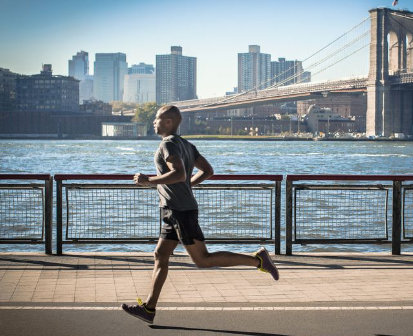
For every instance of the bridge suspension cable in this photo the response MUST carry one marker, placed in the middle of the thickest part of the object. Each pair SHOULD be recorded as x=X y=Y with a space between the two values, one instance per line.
x=338 y=50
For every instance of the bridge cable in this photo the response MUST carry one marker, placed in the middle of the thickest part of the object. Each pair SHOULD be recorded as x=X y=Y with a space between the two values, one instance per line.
x=232 y=97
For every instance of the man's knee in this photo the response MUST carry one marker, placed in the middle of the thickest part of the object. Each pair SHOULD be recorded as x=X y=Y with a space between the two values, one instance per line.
x=161 y=257
x=202 y=262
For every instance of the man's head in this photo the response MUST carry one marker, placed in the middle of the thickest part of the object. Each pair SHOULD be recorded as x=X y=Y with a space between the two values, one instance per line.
x=167 y=120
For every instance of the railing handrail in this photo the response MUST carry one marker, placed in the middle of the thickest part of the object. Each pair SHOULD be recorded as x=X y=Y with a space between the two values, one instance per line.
x=350 y=177
x=44 y=177
x=235 y=177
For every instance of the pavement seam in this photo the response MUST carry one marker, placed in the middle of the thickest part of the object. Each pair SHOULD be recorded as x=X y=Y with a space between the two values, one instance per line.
x=190 y=308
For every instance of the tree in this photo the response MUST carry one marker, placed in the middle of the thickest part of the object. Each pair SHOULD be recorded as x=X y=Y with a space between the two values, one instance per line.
x=145 y=113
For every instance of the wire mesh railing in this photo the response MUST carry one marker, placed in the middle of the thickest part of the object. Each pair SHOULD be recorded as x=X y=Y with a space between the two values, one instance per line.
x=408 y=212
x=334 y=212
x=320 y=209
x=110 y=212
x=125 y=213
x=26 y=209
x=347 y=209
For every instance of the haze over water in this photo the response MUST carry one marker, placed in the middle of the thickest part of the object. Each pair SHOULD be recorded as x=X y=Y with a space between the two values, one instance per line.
x=227 y=157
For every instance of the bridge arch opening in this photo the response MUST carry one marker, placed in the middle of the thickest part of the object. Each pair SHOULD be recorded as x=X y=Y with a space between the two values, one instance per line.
x=393 y=53
x=409 y=52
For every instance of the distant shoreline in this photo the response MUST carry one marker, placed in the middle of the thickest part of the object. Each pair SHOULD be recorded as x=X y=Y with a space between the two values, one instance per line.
x=190 y=137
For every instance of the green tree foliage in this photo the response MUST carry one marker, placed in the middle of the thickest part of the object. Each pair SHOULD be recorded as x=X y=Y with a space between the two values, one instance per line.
x=145 y=113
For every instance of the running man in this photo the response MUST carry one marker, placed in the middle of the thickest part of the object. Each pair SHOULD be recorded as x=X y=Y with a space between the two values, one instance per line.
x=175 y=160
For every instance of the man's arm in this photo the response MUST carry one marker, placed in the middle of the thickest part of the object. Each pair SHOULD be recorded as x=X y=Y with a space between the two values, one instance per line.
x=205 y=171
x=175 y=174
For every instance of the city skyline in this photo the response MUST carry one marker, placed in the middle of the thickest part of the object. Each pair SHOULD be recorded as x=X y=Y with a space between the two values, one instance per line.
x=48 y=32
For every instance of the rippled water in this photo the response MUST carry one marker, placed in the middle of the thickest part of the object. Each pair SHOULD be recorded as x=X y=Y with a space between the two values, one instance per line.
x=227 y=157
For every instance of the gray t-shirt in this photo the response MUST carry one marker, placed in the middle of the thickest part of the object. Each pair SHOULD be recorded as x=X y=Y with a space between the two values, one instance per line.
x=177 y=196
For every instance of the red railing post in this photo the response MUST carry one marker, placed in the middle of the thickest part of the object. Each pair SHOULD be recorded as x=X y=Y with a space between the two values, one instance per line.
x=48 y=215
x=277 y=215
x=289 y=217
x=59 y=219
x=397 y=218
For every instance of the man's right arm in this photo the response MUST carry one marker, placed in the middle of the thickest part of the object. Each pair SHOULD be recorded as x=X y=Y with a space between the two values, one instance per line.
x=205 y=171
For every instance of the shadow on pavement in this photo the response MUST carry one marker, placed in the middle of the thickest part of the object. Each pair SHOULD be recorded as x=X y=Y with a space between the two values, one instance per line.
x=233 y=332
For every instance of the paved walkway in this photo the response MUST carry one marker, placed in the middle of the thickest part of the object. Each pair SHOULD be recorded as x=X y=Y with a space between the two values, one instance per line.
x=318 y=280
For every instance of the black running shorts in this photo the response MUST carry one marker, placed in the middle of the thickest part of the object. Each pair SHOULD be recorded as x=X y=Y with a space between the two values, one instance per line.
x=181 y=226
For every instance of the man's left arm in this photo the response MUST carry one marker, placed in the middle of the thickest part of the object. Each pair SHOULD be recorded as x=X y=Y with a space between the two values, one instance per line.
x=205 y=171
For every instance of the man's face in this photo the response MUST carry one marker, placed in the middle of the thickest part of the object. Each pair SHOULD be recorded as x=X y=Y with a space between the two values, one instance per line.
x=161 y=125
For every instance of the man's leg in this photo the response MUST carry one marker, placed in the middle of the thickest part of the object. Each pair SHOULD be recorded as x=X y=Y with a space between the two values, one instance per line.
x=162 y=253
x=202 y=258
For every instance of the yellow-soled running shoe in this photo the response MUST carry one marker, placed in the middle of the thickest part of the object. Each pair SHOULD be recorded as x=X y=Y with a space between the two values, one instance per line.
x=140 y=311
x=266 y=264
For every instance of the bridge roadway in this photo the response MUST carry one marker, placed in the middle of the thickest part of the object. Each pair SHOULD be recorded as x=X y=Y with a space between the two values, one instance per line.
x=286 y=93
x=317 y=294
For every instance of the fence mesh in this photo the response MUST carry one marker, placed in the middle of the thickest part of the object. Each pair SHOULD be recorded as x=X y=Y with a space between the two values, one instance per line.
x=21 y=212
x=235 y=213
x=408 y=212
x=340 y=213
x=108 y=213
x=225 y=212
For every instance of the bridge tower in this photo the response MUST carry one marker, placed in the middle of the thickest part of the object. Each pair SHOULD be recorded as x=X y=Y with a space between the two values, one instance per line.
x=390 y=104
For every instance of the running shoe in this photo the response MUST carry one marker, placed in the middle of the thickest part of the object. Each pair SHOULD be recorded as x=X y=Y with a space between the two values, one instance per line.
x=140 y=311
x=266 y=264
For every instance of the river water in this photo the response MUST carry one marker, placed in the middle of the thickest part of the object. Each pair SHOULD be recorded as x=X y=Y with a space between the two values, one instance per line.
x=227 y=157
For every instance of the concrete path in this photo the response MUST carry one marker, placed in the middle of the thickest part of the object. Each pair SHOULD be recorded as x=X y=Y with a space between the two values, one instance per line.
x=365 y=290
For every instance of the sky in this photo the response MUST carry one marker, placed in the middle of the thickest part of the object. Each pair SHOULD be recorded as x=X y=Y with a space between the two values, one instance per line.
x=35 y=32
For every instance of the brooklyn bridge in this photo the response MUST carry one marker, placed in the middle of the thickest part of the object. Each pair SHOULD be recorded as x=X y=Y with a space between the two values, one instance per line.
x=388 y=86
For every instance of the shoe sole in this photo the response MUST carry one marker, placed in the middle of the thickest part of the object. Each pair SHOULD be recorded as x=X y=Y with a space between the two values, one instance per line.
x=137 y=316
x=277 y=275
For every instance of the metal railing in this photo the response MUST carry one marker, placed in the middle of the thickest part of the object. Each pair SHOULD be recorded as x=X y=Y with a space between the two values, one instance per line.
x=109 y=212
x=320 y=209
x=407 y=211
x=26 y=209
x=348 y=209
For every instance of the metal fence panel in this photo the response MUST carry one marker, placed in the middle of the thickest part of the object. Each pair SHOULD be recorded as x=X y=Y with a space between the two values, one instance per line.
x=114 y=211
x=111 y=212
x=340 y=212
x=22 y=212
x=236 y=212
x=408 y=212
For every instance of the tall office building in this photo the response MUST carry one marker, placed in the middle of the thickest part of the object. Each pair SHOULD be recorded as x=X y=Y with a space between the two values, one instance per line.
x=79 y=65
x=110 y=70
x=141 y=68
x=86 y=89
x=284 y=72
x=79 y=69
x=140 y=88
x=254 y=69
x=175 y=77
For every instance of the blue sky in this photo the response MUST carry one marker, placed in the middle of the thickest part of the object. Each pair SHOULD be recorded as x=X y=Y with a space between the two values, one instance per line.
x=33 y=32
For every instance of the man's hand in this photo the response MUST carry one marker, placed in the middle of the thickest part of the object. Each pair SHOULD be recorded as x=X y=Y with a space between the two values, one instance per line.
x=141 y=180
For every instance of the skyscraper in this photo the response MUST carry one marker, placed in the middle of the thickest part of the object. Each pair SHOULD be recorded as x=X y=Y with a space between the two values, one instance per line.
x=175 y=77
x=79 y=65
x=140 y=88
x=79 y=69
x=110 y=70
x=141 y=68
x=254 y=69
x=284 y=72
